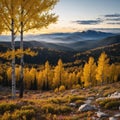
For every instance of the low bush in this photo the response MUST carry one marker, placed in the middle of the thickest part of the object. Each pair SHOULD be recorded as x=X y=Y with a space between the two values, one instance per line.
x=7 y=107
x=109 y=103
x=59 y=100
x=114 y=105
x=75 y=98
x=55 y=109
x=19 y=115
x=48 y=108
x=56 y=90
x=62 y=88
x=79 y=102
x=64 y=109
x=29 y=107
x=23 y=115
x=6 y=116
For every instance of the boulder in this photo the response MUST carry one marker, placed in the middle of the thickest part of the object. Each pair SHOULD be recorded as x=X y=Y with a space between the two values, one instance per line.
x=86 y=107
x=115 y=95
x=101 y=114
x=117 y=115
x=112 y=118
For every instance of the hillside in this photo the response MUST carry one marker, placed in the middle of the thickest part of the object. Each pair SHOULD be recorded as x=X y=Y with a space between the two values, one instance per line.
x=71 y=51
x=66 y=104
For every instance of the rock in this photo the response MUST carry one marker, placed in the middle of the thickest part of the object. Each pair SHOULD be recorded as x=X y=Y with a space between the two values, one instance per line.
x=117 y=115
x=88 y=101
x=86 y=107
x=101 y=114
x=74 y=90
x=91 y=98
x=102 y=98
x=72 y=105
x=115 y=95
x=112 y=118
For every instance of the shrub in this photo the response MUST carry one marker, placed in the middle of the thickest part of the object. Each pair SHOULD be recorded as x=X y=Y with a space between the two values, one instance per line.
x=112 y=105
x=23 y=115
x=56 y=90
x=29 y=107
x=109 y=103
x=77 y=86
x=79 y=102
x=75 y=98
x=62 y=88
x=7 y=107
x=6 y=116
x=48 y=108
x=64 y=109
x=59 y=100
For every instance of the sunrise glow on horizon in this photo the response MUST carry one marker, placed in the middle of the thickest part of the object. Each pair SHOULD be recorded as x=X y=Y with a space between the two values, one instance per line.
x=79 y=15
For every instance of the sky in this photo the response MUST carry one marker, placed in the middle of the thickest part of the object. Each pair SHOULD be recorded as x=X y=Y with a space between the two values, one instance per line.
x=80 y=15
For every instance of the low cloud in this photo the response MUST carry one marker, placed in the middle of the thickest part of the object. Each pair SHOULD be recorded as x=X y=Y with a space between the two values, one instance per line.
x=114 y=23
x=112 y=30
x=88 y=22
x=112 y=15
x=113 y=19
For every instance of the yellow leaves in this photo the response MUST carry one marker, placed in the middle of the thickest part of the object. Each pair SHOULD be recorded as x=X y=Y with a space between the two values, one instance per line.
x=30 y=52
x=102 y=69
x=10 y=54
x=89 y=69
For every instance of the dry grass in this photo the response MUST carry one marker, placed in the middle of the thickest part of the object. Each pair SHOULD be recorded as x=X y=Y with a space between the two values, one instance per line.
x=53 y=106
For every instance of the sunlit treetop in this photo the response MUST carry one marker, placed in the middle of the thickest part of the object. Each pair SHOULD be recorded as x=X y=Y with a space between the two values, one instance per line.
x=34 y=14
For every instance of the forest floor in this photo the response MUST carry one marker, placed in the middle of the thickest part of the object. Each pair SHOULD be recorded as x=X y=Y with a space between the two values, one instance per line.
x=39 y=105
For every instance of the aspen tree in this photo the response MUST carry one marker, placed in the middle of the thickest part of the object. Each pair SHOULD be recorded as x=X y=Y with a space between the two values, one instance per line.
x=33 y=14
x=9 y=20
x=102 y=68
x=89 y=73
x=58 y=74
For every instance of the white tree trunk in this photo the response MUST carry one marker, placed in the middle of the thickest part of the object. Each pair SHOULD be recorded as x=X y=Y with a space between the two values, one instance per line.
x=13 y=60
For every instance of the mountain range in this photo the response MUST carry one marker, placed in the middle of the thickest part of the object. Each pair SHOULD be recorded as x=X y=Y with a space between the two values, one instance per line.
x=68 y=46
x=77 y=41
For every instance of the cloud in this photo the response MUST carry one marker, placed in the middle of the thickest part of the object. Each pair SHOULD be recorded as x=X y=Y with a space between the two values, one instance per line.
x=113 y=19
x=88 y=22
x=114 y=23
x=112 y=30
x=112 y=15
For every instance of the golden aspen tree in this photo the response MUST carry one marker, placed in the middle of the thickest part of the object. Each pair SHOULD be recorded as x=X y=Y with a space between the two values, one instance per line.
x=79 y=74
x=47 y=76
x=58 y=74
x=34 y=14
x=66 y=81
x=40 y=79
x=27 y=78
x=9 y=20
x=17 y=73
x=89 y=73
x=114 y=73
x=102 y=68
x=21 y=16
